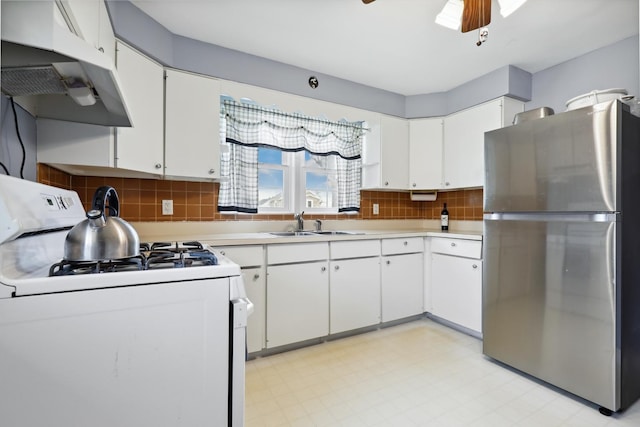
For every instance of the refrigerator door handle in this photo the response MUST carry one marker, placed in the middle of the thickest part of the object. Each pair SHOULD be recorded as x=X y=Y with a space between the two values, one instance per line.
x=610 y=252
x=560 y=217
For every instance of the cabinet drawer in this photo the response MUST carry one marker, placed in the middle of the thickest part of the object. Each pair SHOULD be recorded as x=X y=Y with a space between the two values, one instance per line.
x=457 y=247
x=299 y=252
x=355 y=249
x=244 y=256
x=402 y=245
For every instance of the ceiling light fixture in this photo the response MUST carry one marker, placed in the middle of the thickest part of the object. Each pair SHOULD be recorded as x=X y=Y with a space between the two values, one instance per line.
x=451 y=14
x=507 y=7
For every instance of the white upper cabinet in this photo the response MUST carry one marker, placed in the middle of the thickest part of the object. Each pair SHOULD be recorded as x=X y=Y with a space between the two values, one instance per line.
x=192 y=125
x=425 y=153
x=89 y=19
x=140 y=147
x=385 y=155
x=464 y=140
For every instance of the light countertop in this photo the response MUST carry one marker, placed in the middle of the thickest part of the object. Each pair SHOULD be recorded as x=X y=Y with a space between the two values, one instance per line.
x=258 y=232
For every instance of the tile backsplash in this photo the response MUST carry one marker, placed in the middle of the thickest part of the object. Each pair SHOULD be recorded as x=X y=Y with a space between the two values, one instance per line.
x=141 y=200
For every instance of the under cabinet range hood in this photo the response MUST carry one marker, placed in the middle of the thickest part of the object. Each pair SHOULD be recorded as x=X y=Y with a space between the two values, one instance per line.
x=63 y=76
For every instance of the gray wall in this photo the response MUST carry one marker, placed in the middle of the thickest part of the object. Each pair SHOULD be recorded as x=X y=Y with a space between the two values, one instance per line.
x=612 y=66
x=10 y=150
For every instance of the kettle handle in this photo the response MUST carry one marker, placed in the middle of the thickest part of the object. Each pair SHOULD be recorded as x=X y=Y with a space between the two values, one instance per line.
x=100 y=198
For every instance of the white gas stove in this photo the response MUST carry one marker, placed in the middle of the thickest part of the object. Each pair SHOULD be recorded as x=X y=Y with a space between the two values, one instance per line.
x=157 y=339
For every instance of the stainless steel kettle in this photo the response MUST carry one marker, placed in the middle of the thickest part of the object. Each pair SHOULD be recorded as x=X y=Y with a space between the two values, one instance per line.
x=101 y=237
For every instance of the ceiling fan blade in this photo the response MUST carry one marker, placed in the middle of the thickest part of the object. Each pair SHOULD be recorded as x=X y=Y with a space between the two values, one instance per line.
x=476 y=14
x=367 y=1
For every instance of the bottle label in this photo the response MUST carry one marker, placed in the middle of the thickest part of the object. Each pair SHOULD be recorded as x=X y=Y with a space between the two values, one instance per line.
x=444 y=220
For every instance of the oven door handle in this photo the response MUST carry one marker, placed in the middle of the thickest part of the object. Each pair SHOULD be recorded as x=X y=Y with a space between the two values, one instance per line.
x=242 y=309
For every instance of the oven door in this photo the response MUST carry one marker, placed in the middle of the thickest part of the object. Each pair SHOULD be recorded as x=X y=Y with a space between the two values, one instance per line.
x=151 y=355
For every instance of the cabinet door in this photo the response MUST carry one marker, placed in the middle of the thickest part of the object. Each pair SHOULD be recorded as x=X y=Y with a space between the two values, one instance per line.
x=140 y=147
x=425 y=154
x=464 y=144
x=90 y=20
x=354 y=294
x=64 y=143
x=456 y=290
x=394 y=154
x=192 y=126
x=402 y=286
x=255 y=285
x=297 y=302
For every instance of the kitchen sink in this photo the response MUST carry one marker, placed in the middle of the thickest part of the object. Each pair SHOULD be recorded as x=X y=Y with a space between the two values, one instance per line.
x=310 y=233
x=292 y=233
x=334 y=233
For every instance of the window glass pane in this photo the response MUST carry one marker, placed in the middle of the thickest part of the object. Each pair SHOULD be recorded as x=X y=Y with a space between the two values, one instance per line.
x=270 y=188
x=321 y=191
x=269 y=155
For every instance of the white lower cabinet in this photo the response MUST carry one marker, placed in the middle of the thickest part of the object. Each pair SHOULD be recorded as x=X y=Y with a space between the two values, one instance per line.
x=456 y=282
x=297 y=302
x=402 y=286
x=354 y=294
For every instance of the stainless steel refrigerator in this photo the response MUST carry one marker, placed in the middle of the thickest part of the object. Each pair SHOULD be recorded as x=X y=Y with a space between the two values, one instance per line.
x=561 y=281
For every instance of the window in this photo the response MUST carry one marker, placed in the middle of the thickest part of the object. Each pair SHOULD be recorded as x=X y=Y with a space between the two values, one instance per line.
x=275 y=162
x=294 y=182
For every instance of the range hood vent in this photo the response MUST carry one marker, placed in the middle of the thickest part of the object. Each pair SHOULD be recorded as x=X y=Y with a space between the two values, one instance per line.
x=61 y=74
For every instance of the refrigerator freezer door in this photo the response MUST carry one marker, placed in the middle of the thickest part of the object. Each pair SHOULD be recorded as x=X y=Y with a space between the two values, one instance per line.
x=561 y=163
x=549 y=303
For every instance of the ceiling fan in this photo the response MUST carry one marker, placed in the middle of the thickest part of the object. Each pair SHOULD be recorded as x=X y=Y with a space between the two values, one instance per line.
x=469 y=15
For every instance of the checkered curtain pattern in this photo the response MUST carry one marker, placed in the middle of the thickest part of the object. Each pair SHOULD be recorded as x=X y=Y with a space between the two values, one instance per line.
x=249 y=126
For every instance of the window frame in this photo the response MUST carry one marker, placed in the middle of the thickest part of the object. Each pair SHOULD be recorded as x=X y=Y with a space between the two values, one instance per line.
x=295 y=184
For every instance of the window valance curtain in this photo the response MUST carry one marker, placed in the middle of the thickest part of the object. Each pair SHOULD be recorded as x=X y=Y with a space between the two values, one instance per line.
x=249 y=126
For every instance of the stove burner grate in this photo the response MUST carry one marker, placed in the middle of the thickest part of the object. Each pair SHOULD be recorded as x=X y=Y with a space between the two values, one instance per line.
x=152 y=256
x=67 y=268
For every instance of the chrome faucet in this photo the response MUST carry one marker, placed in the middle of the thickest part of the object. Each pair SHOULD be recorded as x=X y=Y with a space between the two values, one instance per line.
x=318 y=225
x=300 y=220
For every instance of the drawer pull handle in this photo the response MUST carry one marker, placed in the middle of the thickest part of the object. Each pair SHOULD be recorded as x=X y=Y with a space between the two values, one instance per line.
x=475 y=265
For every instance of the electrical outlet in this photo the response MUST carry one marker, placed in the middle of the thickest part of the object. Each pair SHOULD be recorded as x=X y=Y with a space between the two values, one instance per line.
x=376 y=209
x=167 y=207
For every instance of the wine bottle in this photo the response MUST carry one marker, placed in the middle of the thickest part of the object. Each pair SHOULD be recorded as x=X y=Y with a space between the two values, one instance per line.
x=444 y=218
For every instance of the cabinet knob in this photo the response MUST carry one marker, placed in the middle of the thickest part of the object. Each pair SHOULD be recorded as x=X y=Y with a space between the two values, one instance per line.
x=256 y=276
x=386 y=183
x=405 y=243
x=101 y=49
x=475 y=266
x=414 y=184
x=337 y=267
x=212 y=171
x=323 y=269
x=446 y=183
x=222 y=253
x=158 y=165
x=388 y=262
x=453 y=244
